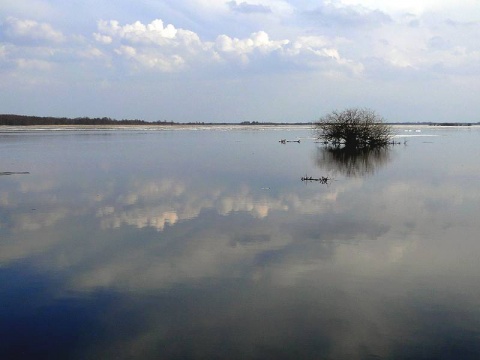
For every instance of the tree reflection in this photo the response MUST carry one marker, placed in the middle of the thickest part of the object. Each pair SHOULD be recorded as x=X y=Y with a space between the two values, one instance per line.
x=351 y=162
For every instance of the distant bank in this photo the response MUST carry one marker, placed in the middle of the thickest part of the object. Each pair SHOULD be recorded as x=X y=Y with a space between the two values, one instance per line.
x=25 y=120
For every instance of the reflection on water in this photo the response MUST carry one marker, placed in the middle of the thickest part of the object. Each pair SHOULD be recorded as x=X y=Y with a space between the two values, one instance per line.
x=351 y=162
x=207 y=245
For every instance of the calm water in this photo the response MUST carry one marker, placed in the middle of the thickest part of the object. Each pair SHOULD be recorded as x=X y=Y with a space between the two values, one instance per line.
x=207 y=245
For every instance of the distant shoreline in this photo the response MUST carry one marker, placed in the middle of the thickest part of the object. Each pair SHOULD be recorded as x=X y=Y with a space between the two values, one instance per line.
x=25 y=120
x=28 y=121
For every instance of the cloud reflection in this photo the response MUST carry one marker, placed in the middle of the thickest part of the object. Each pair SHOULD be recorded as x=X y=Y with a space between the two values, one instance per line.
x=209 y=236
x=164 y=203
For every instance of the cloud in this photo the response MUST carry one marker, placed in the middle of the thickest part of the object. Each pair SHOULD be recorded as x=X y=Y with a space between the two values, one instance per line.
x=153 y=46
x=243 y=49
x=330 y=15
x=29 y=8
x=169 y=49
x=104 y=39
x=247 y=8
x=31 y=30
x=438 y=43
x=137 y=32
x=166 y=48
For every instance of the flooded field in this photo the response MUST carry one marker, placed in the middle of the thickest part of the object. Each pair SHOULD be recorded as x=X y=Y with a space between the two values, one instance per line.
x=205 y=243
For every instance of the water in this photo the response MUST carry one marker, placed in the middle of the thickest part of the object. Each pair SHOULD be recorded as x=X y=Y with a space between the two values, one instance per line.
x=207 y=245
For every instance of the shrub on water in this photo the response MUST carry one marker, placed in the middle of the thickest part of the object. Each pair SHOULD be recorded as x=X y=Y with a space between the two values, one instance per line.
x=353 y=128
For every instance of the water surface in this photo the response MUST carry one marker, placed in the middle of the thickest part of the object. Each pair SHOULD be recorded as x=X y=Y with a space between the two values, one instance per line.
x=207 y=245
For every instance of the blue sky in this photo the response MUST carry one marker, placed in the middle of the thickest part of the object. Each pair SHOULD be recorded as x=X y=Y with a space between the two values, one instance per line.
x=235 y=60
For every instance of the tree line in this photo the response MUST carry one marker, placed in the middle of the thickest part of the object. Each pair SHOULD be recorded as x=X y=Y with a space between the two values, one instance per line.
x=24 y=120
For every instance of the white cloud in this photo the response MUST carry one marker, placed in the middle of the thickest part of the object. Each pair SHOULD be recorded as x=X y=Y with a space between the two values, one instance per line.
x=127 y=51
x=153 y=46
x=33 y=30
x=154 y=33
x=259 y=40
x=242 y=48
x=104 y=39
x=167 y=48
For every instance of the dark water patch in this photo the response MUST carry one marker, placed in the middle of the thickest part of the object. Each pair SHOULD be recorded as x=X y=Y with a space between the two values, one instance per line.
x=37 y=323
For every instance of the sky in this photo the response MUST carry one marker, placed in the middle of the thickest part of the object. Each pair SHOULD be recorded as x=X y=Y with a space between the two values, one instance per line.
x=236 y=60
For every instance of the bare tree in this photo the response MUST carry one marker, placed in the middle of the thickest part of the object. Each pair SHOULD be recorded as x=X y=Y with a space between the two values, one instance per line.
x=354 y=129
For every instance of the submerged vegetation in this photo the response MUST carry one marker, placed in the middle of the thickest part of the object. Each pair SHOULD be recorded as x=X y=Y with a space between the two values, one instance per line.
x=356 y=141
x=352 y=163
x=353 y=129
x=321 y=179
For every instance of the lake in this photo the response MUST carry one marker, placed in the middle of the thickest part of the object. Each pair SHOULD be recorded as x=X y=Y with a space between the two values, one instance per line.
x=205 y=243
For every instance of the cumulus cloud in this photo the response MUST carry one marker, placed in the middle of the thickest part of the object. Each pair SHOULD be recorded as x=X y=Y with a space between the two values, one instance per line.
x=167 y=48
x=241 y=49
x=315 y=52
x=154 y=32
x=154 y=46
